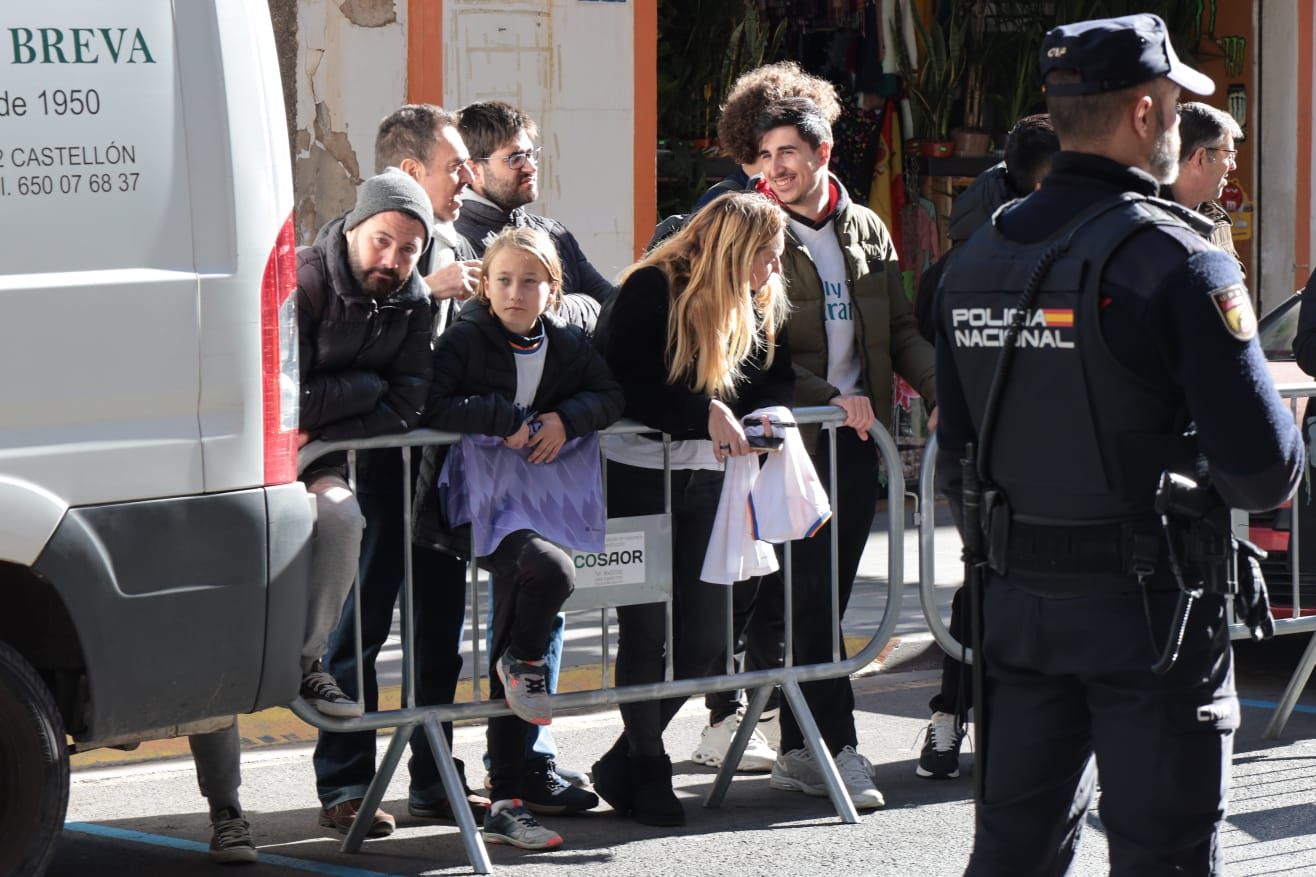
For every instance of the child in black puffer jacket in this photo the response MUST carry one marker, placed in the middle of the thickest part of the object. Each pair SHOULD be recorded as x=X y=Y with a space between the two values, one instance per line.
x=509 y=369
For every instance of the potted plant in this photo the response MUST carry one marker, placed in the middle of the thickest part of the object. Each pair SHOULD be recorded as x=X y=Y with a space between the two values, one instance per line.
x=932 y=83
x=973 y=139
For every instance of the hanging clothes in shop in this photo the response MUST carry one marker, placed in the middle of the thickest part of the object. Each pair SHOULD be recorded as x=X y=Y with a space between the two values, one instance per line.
x=857 y=137
x=887 y=189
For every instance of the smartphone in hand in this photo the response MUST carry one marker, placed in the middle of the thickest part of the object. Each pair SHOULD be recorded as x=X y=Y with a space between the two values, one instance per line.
x=769 y=443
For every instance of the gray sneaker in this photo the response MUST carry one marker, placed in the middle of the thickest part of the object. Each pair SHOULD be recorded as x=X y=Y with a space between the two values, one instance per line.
x=510 y=823
x=525 y=688
x=230 y=838
x=857 y=775
x=796 y=771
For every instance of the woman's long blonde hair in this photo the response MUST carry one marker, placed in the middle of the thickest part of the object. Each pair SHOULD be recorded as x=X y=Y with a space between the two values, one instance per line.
x=717 y=322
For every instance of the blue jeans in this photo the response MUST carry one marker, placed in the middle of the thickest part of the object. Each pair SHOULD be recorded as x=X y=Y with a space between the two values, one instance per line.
x=345 y=763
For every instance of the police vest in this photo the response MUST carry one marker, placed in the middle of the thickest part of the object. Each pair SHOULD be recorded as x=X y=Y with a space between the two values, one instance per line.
x=1078 y=438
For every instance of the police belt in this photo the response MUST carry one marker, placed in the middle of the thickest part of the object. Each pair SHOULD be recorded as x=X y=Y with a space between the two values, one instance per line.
x=1120 y=548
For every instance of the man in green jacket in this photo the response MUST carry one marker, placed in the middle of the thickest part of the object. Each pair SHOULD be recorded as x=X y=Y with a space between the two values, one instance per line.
x=850 y=328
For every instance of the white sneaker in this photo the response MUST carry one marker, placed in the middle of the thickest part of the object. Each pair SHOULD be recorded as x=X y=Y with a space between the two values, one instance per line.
x=796 y=771
x=857 y=774
x=758 y=756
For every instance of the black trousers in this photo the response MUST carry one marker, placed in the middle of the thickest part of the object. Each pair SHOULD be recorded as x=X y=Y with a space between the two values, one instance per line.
x=956 y=687
x=1070 y=679
x=699 y=609
x=531 y=578
x=758 y=619
x=831 y=700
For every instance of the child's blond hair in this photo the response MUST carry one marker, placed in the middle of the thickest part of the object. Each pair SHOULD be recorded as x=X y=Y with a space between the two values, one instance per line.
x=527 y=240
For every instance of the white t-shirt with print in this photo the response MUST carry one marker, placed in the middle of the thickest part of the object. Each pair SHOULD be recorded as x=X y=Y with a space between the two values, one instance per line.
x=843 y=366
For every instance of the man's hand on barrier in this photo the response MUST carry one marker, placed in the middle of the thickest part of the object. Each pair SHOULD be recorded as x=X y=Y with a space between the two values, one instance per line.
x=455 y=280
x=303 y=438
x=858 y=412
x=726 y=432
x=517 y=440
x=932 y=420
x=548 y=440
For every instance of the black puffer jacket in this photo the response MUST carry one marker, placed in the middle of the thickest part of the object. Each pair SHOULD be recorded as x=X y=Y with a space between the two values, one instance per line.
x=365 y=363
x=474 y=389
x=479 y=222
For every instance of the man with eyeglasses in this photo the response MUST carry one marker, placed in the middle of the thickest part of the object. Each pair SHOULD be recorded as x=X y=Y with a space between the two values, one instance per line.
x=423 y=142
x=1207 y=155
x=504 y=179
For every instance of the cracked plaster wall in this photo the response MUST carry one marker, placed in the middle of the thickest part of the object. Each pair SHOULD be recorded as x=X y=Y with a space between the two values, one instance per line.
x=351 y=72
x=570 y=65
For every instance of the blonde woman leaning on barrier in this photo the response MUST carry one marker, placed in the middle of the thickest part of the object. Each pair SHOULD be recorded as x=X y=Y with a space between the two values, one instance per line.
x=695 y=338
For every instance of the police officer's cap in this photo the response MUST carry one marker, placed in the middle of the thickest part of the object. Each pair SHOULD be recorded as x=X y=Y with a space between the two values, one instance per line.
x=1114 y=53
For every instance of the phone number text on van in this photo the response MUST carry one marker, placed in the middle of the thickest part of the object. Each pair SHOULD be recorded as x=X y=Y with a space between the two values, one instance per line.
x=69 y=184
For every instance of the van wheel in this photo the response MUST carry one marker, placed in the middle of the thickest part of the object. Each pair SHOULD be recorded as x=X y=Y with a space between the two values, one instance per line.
x=34 y=768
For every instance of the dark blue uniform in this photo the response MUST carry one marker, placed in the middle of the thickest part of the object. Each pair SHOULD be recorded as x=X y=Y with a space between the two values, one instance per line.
x=1126 y=348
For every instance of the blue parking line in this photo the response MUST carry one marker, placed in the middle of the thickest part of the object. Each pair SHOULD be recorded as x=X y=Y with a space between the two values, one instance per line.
x=193 y=846
x=1270 y=705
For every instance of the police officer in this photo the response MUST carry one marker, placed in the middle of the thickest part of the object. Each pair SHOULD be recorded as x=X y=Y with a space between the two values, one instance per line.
x=1131 y=328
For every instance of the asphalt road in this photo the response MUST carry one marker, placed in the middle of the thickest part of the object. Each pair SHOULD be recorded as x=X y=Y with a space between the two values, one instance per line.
x=147 y=820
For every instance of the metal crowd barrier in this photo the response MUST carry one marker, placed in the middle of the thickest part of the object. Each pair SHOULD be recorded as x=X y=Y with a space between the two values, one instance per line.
x=1288 y=620
x=760 y=682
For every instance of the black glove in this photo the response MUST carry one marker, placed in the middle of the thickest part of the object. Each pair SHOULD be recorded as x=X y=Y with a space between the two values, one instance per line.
x=1252 y=603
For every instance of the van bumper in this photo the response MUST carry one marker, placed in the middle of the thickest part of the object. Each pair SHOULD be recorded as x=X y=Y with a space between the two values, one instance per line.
x=186 y=608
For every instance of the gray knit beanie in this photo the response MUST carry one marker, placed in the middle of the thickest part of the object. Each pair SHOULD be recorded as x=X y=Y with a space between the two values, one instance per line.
x=394 y=189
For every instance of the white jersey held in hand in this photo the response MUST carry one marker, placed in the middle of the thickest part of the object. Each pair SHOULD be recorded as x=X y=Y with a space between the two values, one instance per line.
x=779 y=502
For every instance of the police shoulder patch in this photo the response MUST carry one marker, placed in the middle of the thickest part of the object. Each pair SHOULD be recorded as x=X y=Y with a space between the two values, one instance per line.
x=1235 y=310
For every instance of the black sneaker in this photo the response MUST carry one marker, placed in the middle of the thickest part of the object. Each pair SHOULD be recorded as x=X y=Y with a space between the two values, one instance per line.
x=940 y=758
x=230 y=838
x=321 y=691
x=543 y=791
x=577 y=778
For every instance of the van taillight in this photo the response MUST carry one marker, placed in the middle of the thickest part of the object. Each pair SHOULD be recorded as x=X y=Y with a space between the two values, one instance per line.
x=278 y=358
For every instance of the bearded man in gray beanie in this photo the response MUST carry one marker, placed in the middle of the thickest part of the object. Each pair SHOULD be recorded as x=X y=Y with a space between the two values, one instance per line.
x=363 y=321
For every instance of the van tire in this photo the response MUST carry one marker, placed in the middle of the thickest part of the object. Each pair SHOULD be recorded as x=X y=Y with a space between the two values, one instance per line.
x=34 y=768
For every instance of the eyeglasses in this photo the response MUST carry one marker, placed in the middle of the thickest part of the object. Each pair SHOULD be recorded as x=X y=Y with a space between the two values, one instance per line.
x=456 y=166
x=1231 y=154
x=516 y=160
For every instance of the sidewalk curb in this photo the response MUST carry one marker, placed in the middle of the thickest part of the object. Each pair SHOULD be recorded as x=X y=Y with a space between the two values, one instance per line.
x=279 y=727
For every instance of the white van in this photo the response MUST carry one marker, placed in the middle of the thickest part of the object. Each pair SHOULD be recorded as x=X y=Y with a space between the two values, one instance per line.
x=153 y=537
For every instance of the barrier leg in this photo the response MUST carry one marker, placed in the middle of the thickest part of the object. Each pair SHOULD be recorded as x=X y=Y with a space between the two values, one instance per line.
x=738 y=743
x=826 y=764
x=452 y=785
x=375 y=794
x=1289 y=699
